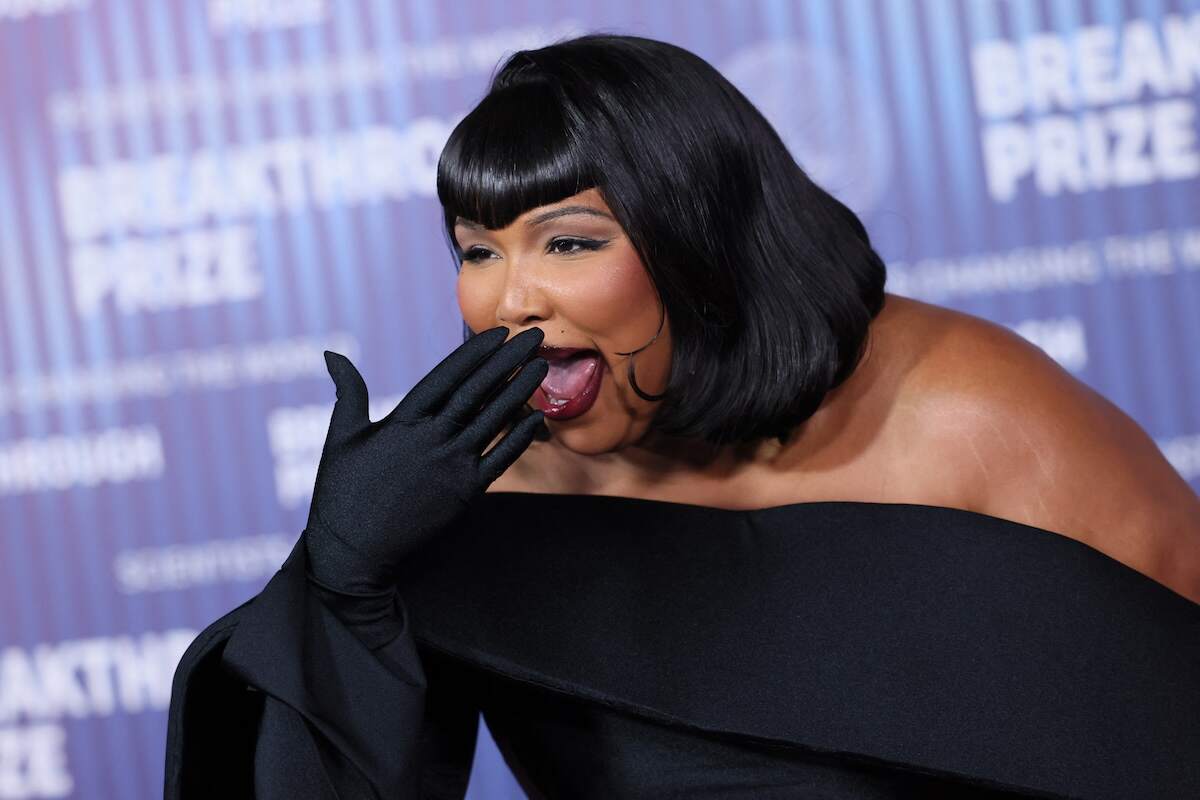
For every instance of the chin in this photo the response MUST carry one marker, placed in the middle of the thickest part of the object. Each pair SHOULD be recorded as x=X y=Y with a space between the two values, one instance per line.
x=578 y=439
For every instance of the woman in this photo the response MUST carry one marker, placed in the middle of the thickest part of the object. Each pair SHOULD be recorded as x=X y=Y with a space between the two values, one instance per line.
x=779 y=535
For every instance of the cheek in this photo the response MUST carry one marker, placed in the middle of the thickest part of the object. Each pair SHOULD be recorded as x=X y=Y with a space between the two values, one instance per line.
x=616 y=302
x=476 y=303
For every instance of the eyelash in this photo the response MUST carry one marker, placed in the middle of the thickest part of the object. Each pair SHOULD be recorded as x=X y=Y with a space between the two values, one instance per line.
x=473 y=254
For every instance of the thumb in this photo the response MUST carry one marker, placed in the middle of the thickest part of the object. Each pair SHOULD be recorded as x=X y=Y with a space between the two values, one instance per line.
x=350 y=408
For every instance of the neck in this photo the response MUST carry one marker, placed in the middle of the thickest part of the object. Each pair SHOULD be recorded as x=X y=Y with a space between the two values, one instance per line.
x=655 y=460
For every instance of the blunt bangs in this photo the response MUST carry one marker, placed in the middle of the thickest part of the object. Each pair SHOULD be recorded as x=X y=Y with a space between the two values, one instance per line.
x=493 y=168
x=768 y=281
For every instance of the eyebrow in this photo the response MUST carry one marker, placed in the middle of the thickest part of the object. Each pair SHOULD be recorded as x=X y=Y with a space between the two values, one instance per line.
x=545 y=217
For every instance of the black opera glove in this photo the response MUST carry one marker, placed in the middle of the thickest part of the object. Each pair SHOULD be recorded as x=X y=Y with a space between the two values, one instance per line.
x=385 y=488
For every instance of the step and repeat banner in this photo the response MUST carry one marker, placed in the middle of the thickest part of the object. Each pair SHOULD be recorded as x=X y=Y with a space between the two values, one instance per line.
x=198 y=197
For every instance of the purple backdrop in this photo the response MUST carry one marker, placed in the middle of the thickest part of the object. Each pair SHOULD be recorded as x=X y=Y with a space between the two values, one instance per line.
x=197 y=198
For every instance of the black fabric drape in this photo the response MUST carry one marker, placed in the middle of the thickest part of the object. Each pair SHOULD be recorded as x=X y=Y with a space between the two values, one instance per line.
x=922 y=639
x=280 y=699
x=929 y=639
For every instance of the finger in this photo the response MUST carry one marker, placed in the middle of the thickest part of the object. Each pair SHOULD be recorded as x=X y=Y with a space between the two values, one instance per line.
x=350 y=408
x=490 y=421
x=464 y=403
x=433 y=391
x=501 y=457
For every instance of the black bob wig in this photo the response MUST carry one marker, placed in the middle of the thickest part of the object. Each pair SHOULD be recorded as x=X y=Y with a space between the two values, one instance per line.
x=769 y=282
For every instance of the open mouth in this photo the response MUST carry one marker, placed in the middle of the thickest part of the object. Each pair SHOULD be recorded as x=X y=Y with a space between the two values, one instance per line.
x=571 y=384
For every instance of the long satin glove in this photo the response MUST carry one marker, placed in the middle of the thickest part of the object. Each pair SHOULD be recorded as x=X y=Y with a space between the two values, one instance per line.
x=385 y=488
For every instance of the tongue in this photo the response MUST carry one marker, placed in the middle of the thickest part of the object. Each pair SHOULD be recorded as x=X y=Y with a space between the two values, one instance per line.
x=567 y=378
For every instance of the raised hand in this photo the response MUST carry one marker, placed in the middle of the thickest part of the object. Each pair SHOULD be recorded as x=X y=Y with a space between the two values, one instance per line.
x=384 y=488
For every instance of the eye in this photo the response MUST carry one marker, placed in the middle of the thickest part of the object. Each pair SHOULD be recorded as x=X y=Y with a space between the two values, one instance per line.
x=571 y=242
x=472 y=254
x=563 y=245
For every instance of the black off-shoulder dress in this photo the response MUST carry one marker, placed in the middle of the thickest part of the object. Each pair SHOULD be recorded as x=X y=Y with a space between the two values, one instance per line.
x=629 y=648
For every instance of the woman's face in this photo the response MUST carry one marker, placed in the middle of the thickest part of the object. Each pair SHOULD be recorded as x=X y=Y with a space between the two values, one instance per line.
x=569 y=269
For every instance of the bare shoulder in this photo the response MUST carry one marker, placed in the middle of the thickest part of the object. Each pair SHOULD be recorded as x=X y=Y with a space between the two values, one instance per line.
x=1028 y=442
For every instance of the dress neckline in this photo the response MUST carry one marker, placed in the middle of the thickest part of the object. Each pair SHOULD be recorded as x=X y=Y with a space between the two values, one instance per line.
x=919 y=511
x=780 y=508
x=839 y=626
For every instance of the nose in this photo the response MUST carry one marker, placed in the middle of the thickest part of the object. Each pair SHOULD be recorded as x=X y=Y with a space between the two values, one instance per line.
x=523 y=302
